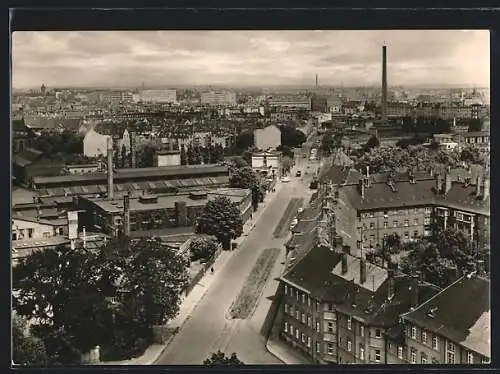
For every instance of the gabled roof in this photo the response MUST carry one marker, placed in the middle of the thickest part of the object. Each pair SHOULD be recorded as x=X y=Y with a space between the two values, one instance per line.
x=460 y=313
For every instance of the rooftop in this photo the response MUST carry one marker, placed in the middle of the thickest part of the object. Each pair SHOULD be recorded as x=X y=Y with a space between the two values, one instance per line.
x=460 y=313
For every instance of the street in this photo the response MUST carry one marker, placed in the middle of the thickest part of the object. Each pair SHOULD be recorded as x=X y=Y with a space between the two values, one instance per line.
x=209 y=327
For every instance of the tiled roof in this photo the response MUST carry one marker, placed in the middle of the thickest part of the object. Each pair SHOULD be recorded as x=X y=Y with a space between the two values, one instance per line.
x=461 y=313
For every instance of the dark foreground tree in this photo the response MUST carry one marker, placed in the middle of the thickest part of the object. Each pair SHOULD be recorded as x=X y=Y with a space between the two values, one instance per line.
x=202 y=248
x=245 y=177
x=220 y=359
x=27 y=350
x=221 y=218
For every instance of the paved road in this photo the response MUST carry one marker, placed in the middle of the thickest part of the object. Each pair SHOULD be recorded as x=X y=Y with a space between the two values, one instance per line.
x=209 y=327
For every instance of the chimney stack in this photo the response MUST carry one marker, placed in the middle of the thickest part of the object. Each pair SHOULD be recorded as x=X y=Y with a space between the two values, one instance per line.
x=132 y=149
x=362 y=271
x=447 y=183
x=362 y=188
x=478 y=186
x=353 y=293
x=316 y=81
x=110 y=168
x=126 y=215
x=391 y=287
x=414 y=291
x=439 y=183
x=344 y=263
x=486 y=188
x=384 y=83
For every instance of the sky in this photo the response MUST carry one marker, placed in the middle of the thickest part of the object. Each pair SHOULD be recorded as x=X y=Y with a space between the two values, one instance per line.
x=249 y=58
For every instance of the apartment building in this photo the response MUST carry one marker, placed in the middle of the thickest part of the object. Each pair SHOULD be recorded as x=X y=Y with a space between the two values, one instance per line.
x=218 y=98
x=453 y=327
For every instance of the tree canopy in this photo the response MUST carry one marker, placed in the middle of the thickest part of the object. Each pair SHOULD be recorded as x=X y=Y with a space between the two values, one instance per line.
x=110 y=297
x=221 y=218
x=202 y=248
x=330 y=141
x=27 y=350
x=220 y=359
x=245 y=177
x=291 y=137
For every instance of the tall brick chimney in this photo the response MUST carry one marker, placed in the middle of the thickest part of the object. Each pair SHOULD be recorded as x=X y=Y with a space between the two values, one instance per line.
x=384 y=83
x=110 y=168
x=126 y=215
x=344 y=263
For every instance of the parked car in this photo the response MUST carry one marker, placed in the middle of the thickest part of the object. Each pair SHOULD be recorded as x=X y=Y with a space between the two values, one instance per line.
x=285 y=179
x=298 y=173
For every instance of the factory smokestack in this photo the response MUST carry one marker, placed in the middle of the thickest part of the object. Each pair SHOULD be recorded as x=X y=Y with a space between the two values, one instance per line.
x=110 y=168
x=316 y=80
x=384 y=83
x=126 y=215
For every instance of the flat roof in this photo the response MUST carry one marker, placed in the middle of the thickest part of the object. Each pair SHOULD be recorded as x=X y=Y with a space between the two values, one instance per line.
x=137 y=173
x=163 y=202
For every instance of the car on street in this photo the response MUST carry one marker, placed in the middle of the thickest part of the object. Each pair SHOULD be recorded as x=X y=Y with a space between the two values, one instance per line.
x=285 y=179
x=298 y=173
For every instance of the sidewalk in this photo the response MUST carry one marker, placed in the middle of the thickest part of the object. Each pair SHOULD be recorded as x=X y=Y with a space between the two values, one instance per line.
x=189 y=302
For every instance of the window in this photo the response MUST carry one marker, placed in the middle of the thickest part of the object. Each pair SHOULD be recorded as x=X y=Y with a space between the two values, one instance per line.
x=470 y=358
x=372 y=225
x=330 y=348
x=286 y=289
x=30 y=232
x=413 y=332
x=309 y=320
x=303 y=337
x=318 y=347
x=297 y=314
x=308 y=301
x=291 y=291
x=317 y=326
x=361 y=353
x=435 y=343
x=291 y=310
x=450 y=353
x=423 y=359
x=485 y=360
x=415 y=221
x=286 y=327
x=413 y=356
x=297 y=334
x=385 y=224
x=407 y=223
x=424 y=337
x=303 y=298
x=362 y=330
x=330 y=308
x=416 y=210
x=330 y=327
x=349 y=345
x=286 y=308
x=400 y=352
x=394 y=223
x=46 y=235
x=407 y=235
x=371 y=214
x=349 y=323
x=61 y=231
x=291 y=330
x=297 y=294
x=309 y=341
x=303 y=318
x=377 y=355
x=427 y=210
x=415 y=233
x=377 y=333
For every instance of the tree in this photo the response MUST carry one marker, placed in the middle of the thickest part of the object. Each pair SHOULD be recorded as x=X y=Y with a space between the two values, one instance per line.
x=287 y=151
x=291 y=137
x=329 y=142
x=27 y=350
x=202 y=248
x=124 y=156
x=393 y=243
x=59 y=286
x=221 y=218
x=220 y=359
x=287 y=164
x=183 y=155
x=239 y=162
x=205 y=154
x=245 y=177
x=146 y=157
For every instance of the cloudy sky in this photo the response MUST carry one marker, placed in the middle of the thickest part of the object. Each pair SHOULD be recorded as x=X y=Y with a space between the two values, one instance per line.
x=251 y=58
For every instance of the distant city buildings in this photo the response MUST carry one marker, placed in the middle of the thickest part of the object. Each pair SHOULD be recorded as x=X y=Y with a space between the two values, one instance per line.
x=218 y=98
x=158 y=96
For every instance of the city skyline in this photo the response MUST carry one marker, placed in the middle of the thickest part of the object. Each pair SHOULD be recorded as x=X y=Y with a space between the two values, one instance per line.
x=249 y=58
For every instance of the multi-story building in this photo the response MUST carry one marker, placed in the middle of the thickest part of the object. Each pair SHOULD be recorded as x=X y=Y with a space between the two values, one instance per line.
x=399 y=109
x=405 y=203
x=218 y=98
x=453 y=327
x=95 y=144
x=267 y=138
x=290 y=103
x=158 y=96
x=267 y=163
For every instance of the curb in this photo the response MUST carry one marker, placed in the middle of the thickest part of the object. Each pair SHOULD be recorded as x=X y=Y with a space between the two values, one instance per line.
x=271 y=351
